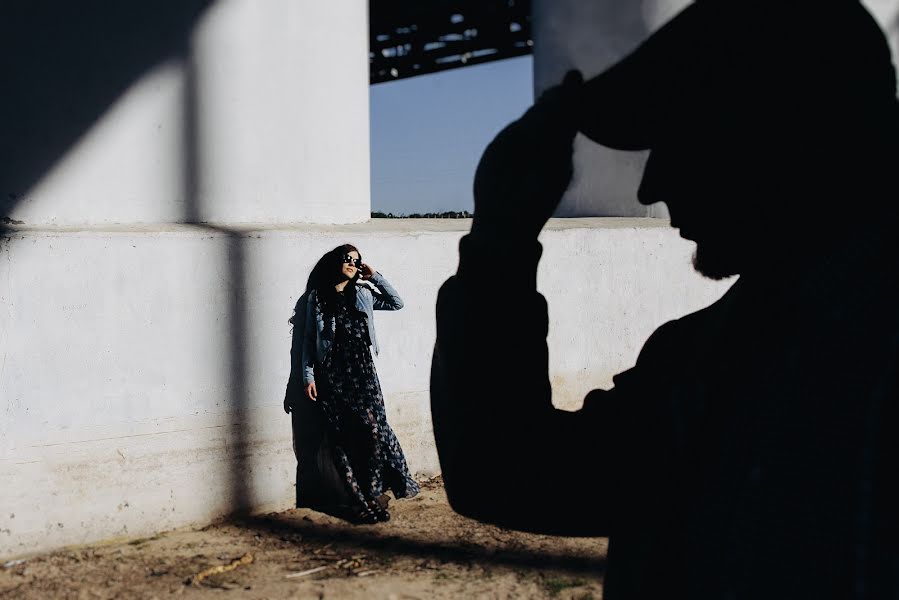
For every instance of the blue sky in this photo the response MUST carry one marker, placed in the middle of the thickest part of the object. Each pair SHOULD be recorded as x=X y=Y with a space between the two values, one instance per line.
x=428 y=132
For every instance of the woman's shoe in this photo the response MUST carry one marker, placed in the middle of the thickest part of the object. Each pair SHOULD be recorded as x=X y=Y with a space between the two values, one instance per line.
x=379 y=510
x=364 y=515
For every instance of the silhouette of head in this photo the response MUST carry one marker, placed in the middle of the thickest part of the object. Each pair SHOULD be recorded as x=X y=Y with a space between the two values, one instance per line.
x=762 y=119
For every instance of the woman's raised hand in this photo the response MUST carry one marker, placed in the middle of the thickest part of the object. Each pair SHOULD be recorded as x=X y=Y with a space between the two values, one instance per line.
x=367 y=271
x=310 y=391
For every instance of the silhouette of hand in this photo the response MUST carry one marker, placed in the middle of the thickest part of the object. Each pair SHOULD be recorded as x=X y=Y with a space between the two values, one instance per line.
x=526 y=169
x=287 y=405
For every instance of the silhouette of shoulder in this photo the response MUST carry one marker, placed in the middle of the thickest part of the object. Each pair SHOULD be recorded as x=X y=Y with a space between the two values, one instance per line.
x=679 y=344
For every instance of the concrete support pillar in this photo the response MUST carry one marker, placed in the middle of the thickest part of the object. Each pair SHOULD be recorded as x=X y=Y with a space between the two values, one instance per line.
x=281 y=111
x=887 y=14
x=261 y=117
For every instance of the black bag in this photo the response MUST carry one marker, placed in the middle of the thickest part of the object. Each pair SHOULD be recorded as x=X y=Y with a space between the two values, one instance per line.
x=319 y=481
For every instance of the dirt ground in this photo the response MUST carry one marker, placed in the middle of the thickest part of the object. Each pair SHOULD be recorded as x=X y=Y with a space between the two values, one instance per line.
x=424 y=551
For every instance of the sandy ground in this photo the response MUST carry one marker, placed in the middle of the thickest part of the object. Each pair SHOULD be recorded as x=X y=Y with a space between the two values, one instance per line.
x=424 y=551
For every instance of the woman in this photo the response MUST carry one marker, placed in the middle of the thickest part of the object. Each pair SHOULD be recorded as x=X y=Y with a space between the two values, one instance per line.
x=338 y=374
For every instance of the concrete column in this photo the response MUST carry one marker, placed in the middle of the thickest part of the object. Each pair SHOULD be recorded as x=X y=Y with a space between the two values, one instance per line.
x=887 y=14
x=281 y=112
x=261 y=116
x=591 y=36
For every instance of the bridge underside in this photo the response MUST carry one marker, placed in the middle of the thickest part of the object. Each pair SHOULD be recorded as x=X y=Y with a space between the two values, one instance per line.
x=417 y=37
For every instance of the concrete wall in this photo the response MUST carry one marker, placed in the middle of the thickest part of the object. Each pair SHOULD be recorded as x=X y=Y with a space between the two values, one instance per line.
x=591 y=36
x=156 y=180
x=143 y=368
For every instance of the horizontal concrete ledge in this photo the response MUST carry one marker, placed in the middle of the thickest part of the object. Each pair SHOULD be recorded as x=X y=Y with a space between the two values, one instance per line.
x=373 y=226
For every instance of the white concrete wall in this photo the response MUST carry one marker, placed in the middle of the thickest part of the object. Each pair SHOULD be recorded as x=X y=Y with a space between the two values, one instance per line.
x=143 y=369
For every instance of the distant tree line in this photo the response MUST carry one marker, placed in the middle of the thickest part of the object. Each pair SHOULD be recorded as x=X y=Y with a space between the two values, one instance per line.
x=449 y=214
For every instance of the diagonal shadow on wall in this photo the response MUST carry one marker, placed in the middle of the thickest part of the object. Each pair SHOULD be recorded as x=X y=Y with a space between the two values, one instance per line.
x=63 y=66
x=240 y=471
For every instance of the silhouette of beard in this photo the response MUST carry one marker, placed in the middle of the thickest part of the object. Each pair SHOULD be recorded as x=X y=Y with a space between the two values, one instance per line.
x=711 y=264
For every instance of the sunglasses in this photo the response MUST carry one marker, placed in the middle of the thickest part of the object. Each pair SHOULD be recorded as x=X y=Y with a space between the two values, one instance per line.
x=357 y=262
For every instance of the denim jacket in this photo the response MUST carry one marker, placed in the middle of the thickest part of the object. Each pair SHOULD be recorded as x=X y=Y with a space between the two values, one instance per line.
x=318 y=335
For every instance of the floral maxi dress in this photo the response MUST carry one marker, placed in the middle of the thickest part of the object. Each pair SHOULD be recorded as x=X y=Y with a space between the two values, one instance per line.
x=365 y=448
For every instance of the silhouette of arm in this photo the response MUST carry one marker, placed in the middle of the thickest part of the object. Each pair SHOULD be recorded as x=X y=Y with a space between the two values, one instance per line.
x=507 y=456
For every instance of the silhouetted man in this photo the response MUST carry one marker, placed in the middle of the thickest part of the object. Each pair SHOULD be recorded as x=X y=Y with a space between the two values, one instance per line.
x=752 y=451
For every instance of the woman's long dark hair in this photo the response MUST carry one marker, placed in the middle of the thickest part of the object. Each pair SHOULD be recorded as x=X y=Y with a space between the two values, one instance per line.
x=331 y=275
x=327 y=273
